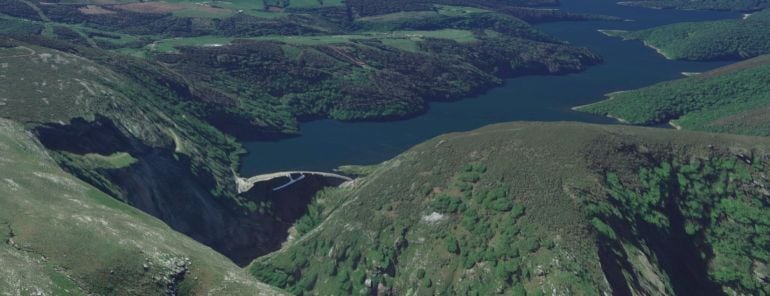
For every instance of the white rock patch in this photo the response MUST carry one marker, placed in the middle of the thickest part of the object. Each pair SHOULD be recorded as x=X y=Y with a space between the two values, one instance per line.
x=12 y=185
x=432 y=218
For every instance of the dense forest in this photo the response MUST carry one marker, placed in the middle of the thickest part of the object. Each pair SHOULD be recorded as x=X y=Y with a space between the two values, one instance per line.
x=714 y=40
x=731 y=99
x=337 y=79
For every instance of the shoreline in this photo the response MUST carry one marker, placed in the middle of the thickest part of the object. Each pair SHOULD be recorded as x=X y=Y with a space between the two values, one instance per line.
x=619 y=119
x=660 y=51
x=619 y=34
x=436 y=119
x=608 y=97
x=612 y=33
x=674 y=125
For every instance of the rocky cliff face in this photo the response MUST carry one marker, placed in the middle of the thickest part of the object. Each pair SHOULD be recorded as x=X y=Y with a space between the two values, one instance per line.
x=161 y=183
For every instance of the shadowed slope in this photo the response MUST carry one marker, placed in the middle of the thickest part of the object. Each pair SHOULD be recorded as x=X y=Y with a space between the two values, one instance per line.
x=64 y=237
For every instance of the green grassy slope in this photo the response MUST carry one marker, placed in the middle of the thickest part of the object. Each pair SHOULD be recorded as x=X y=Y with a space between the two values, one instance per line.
x=528 y=208
x=61 y=236
x=713 y=40
x=733 y=99
x=53 y=85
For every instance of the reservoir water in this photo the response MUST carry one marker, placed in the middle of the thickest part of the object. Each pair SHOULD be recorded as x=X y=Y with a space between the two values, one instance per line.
x=327 y=144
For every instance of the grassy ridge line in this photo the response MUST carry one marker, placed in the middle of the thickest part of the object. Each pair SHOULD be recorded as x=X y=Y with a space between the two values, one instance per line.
x=728 y=99
x=63 y=237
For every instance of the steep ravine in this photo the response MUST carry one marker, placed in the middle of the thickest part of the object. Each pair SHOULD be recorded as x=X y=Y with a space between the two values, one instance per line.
x=672 y=253
x=160 y=182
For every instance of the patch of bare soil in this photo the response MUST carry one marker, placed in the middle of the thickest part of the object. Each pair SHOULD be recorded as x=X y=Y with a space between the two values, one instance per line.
x=95 y=9
x=151 y=7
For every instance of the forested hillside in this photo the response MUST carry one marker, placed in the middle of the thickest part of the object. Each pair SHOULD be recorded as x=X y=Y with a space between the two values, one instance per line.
x=535 y=209
x=732 y=99
x=714 y=40
x=267 y=65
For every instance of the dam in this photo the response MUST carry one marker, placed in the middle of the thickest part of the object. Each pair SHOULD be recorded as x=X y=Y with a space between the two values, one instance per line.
x=290 y=177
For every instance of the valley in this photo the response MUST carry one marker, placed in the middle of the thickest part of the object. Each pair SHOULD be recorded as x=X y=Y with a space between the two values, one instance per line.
x=317 y=147
x=626 y=65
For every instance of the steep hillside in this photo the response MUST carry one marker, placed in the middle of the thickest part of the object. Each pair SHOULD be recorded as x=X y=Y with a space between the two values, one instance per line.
x=61 y=236
x=712 y=40
x=733 y=99
x=139 y=133
x=144 y=100
x=536 y=208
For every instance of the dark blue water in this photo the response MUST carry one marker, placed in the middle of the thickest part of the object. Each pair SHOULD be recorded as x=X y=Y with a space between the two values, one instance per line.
x=326 y=144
